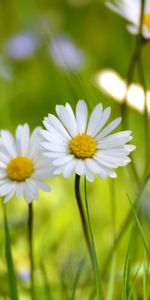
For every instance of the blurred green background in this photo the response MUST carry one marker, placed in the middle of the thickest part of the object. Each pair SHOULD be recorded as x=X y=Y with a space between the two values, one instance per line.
x=35 y=75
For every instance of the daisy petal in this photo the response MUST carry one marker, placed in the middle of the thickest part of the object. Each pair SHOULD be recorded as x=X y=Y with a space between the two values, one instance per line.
x=8 y=142
x=93 y=125
x=69 y=168
x=109 y=128
x=81 y=116
x=69 y=122
x=80 y=167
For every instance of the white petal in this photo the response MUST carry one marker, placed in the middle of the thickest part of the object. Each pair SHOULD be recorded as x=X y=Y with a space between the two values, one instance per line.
x=105 y=116
x=22 y=139
x=81 y=116
x=53 y=138
x=104 y=162
x=42 y=174
x=51 y=130
x=2 y=165
x=114 y=140
x=3 y=173
x=19 y=190
x=111 y=174
x=63 y=160
x=130 y=148
x=80 y=167
x=59 y=170
x=32 y=187
x=111 y=161
x=4 y=157
x=133 y=29
x=109 y=128
x=43 y=186
x=7 y=188
x=67 y=120
x=28 y=196
x=53 y=154
x=9 y=195
x=8 y=142
x=93 y=125
x=89 y=175
x=72 y=116
x=57 y=125
x=69 y=168
x=54 y=147
x=4 y=181
x=95 y=168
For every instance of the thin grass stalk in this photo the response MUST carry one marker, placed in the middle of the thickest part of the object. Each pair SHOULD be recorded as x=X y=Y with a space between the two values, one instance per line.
x=46 y=281
x=30 y=237
x=124 y=227
x=111 y=285
x=139 y=226
x=127 y=267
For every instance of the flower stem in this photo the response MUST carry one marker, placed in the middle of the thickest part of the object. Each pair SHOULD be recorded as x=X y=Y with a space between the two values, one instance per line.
x=146 y=114
x=30 y=236
x=88 y=233
x=82 y=216
x=96 y=269
x=136 y=60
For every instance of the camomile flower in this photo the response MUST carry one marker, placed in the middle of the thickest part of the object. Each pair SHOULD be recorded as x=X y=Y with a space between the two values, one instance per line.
x=131 y=11
x=85 y=147
x=22 y=166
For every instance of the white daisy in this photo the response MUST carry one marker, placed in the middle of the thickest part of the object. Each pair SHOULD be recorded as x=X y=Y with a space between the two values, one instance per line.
x=75 y=144
x=131 y=10
x=22 y=166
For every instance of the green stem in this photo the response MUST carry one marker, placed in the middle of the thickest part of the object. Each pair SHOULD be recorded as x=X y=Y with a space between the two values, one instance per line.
x=83 y=219
x=134 y=60
x=146 y=115
x=30 y=236
x=96 y=269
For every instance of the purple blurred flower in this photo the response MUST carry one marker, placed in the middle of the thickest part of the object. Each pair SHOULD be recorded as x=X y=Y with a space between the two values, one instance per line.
x=24 y=275
x=66 y=54
x=22 y=45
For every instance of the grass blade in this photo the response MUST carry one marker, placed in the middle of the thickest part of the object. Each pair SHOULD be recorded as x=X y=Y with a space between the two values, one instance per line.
x=145 y=281
x=127 y=267
x=75 y=283
x=111 y=285
x=140 y=229
x=10 y=267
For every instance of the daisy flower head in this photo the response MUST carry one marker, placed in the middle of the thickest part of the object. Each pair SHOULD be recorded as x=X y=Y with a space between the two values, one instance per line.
x=22 y=165
x=85 y=147
x=131 y=11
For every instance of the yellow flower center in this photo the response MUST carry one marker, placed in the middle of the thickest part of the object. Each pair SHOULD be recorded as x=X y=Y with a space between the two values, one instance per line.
x=83 y=146
x=20 y=168
x=146 y=20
